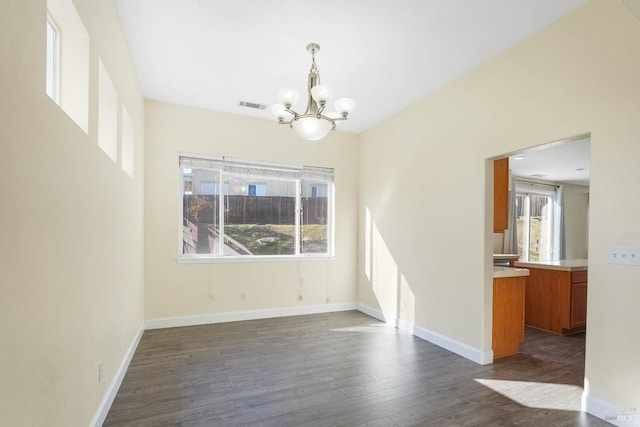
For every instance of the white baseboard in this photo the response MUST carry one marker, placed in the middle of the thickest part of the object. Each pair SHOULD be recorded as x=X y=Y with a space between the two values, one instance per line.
x=376 y=314
x=204 y=319
x=462 y=349
x=112 y=390
x=609 y=412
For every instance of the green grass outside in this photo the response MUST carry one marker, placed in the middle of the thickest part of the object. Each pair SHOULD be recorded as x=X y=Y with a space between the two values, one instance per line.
x=278 y=239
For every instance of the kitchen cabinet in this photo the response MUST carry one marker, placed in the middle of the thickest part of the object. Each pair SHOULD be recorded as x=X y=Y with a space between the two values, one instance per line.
x=500 y=195
x=578 y=299
x=556 y=296
x=508 y=310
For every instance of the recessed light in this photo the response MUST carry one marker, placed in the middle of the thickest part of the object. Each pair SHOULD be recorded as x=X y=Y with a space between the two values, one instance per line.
x=519 y=158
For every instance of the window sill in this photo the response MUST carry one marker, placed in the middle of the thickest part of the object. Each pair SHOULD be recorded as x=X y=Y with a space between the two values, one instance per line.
x=240 y=259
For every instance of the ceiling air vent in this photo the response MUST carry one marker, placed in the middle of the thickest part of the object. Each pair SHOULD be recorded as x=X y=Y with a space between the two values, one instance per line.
x=253 y=105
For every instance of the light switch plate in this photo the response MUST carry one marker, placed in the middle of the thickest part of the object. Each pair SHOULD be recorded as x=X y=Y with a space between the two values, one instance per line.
x=628 y=256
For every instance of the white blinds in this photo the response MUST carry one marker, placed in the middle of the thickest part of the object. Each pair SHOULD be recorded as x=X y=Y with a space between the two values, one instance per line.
x=200 y=163
x=534 y=187
x=254 y=168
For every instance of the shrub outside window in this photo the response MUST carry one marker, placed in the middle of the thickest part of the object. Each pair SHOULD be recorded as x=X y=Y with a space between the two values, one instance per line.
x=235 y=208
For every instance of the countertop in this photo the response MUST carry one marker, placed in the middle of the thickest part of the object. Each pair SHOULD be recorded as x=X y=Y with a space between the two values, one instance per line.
x=499 y=272
x=562 y=265
x=506 y=256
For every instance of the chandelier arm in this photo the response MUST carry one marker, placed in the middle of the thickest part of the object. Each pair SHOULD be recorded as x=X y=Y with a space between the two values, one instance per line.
x=329 y=119
x=315 y=116
x=290 y=111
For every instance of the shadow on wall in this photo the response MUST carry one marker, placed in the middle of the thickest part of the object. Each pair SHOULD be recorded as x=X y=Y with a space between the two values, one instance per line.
x=389 y=285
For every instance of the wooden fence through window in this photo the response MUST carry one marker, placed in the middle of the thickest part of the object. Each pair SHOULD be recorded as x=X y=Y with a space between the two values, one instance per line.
x=203 y=209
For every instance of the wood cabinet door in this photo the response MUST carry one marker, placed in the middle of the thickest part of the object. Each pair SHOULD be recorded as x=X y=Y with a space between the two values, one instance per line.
x=508 y=315
x=548 y=300
x=500 y=195
x=578 y=305
x=560 y=299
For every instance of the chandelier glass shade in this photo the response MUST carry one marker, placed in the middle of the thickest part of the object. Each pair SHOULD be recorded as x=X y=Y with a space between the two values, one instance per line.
x=315 y=123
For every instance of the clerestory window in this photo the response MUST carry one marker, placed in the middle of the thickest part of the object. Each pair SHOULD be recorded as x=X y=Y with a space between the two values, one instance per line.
x=53 y=59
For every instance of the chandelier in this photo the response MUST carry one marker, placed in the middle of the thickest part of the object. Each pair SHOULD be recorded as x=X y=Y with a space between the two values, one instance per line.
x=314 y=124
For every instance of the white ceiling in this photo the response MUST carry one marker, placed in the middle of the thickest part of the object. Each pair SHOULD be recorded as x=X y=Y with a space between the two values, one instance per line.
x=565 y=161
x=384 y=54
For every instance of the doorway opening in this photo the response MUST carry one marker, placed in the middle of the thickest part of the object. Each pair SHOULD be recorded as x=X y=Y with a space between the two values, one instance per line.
x=548 y=218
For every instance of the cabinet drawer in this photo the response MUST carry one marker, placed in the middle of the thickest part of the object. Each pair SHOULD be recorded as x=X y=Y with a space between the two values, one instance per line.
x=579 y=277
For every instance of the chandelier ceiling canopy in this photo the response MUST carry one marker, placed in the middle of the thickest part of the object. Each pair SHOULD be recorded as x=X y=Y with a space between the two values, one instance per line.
x=315 y=123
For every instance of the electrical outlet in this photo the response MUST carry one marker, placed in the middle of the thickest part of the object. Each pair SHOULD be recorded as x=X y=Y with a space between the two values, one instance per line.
x=243 y=296
x=100 y=371
x=628 y=256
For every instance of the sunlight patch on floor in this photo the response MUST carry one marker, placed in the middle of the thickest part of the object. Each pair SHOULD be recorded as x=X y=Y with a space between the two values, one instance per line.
x=538 y=395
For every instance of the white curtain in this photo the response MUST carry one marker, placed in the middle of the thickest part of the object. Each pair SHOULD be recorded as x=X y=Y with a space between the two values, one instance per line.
x=559 y=243
x=510 y=244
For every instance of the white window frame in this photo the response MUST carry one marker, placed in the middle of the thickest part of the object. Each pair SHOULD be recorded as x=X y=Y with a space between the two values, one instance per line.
x=53 y=61
x=222 y=192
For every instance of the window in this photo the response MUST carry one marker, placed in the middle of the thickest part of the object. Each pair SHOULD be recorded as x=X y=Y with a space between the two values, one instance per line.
x=67 y=61
x=241 y=209
x=208 y=188
x=257 y=190
x=535 y=225
x=107 y=113
x=188 y=186
x=53 y=60
x=318 y=191
x=315 y=217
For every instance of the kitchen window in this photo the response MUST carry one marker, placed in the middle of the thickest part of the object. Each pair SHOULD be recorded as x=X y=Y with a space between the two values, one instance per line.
x=535 y=223
x=235 y=209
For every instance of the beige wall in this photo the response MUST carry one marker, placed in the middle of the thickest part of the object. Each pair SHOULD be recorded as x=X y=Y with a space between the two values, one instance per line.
x=71 y=257
x=174 y=289
x=426 y=181
x=576 y=217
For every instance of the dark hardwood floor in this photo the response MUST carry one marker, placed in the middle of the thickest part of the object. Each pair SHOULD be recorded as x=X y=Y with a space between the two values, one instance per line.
x=343 y=369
